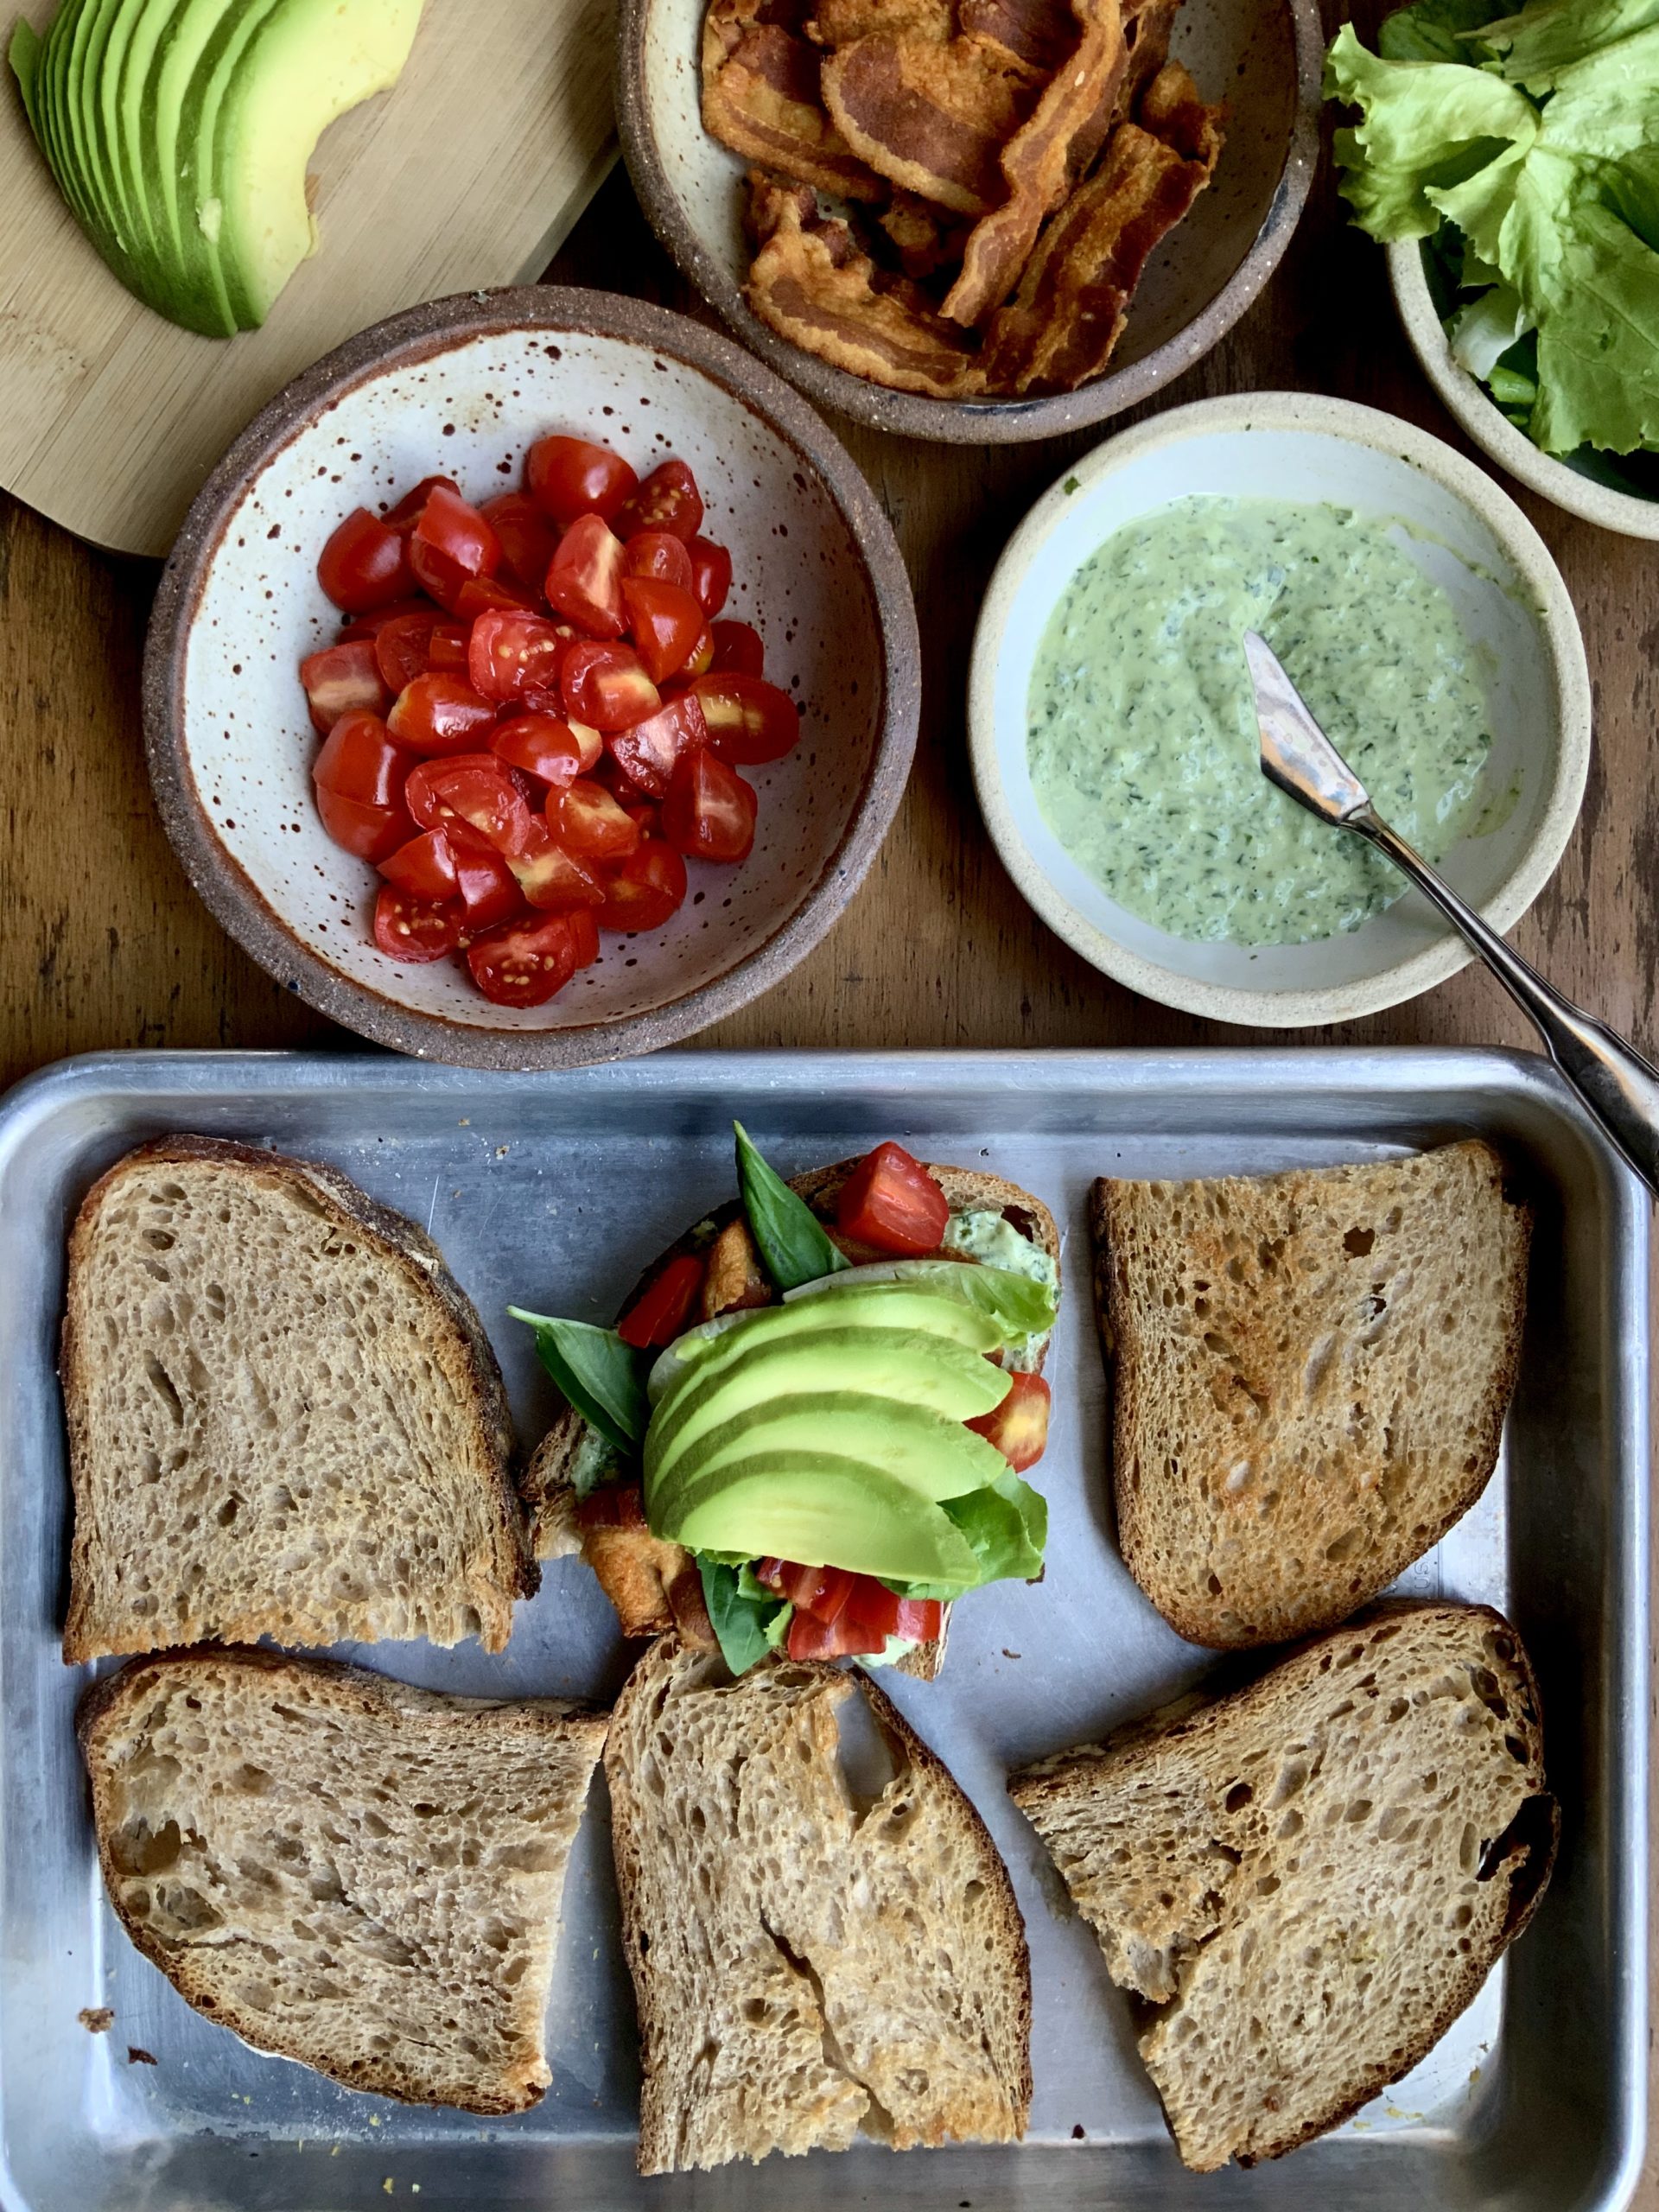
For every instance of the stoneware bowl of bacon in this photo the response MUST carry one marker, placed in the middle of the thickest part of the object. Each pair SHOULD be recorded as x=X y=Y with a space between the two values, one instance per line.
x=973 y=220
x=533 y=682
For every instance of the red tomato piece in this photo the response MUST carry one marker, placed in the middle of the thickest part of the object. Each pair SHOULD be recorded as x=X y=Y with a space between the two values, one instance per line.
x=613 y=1505
x=512 y=654
x=645 y=890
x=542 y=746
x=527 y=540
x=371 y=832
x=489 y=890
x=700 y=658
x=341 y=677
x=403 y=649
x=668 y=499
x=711 y=569
x=892 y=1202
x=370 y=624
x=648 y=752
x=550 y=878
x=449 y=544
x=479 y=594
x=920 y=1620
x=1018 y=1427
x=448 y=646
x=471 y=793
x=409 y=509
x=871 y=1604
x=738 y=648
x=413 y=929
x=588 y=822
x=662 y=556
x=584 y=935
x=440 y=713
x=524 y=962
x=591 y=743
x=665 y=1306
x=359 y=760
x=812 y=1639
x=708 y=814
x=606 y=686
x=364 y=565
x=750 y=721
x=425 y=866
x=569 y=477
x=664 y=623
x=584 y=578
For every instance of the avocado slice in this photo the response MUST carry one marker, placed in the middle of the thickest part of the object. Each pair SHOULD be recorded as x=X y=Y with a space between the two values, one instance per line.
x=135 y=186
x=99 y=19
x=807 y=1506
x=904 y=1364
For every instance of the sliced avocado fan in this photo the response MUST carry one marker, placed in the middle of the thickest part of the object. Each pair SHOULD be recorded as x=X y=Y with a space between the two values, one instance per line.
x=815 y=1507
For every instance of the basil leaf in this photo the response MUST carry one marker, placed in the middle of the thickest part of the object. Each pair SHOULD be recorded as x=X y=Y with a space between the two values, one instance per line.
x=792 y=1239
x=746 y=1626
x=1007 y=1526
x=603 y=1378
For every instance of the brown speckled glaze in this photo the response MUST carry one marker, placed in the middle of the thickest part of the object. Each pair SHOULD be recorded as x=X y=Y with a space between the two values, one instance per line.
x=1262 y=57
x=465 y=385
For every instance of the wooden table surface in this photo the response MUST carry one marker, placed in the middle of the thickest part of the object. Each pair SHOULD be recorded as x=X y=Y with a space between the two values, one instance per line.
x=105 y=944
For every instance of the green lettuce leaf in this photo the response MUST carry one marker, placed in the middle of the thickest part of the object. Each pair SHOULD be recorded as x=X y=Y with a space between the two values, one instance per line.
x=1434 y=30
x=1007 y=1528
x=603 y=1378
x=747 y=1626
x=1532 y=49
x=793 y=1244
x=1483 y=330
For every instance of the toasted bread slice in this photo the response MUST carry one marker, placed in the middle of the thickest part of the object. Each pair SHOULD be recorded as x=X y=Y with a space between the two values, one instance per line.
x=1312 y=1876
x=285 y=1416
x=654 y=1585
x=1309 y=1375
x=806 y=1965
x=344 y=1871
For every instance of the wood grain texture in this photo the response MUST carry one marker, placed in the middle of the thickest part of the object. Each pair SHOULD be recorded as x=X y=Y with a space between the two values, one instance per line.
x=468 y=172
x=106 y=945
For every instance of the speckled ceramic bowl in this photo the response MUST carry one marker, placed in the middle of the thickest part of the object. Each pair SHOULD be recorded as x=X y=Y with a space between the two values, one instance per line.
x=1464 y=533
x=1262 y=57
x=465 y=385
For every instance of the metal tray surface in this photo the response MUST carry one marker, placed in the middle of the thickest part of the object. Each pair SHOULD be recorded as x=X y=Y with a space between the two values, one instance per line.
x=555 y=1191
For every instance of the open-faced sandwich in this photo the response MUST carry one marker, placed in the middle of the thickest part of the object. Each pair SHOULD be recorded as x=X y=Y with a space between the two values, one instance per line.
x=807 y=1430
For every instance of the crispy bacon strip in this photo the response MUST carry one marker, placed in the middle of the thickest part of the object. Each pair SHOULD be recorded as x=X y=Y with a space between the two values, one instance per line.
x=1039 y=33
x=926 y=238
x=761 y=96
x=1069 y=313
x=934 y=117
x=1147 y=26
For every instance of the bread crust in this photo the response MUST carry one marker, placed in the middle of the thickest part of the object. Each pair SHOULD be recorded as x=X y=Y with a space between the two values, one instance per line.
x=419 y=1262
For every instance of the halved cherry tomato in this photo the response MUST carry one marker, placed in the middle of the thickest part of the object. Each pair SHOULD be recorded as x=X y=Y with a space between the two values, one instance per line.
x=659 y=555
x=371 y=832
x=425 y=866
x=668 y=499
x=664 y=623
x=584 y=578
x=648 y=752
x=512 y=654
x=409 y=509
x=588 y=822
x=1018 y=1427
x=645 y=890
x=551 y=878
x=417 y=929
x=700 y=658
x=448 y=646
x=542 y=746
x=708 y=813
x=527 y=540
x=524 y=962
x=811 y=1638
x=489 y=890
x=450 y=543
x=569 y=477
x=479 y=594
x=364 y=564
x=437 y=713
x=584 y=935
x=606 y=686
x=711 y=569
x=738 y=648
x=370 y=623
x=821 y=1589
x=473 y=793
x=750 y=721
x=403 y=649
x=360 y=761
x=665 y=1306
x=890 y=1201
x=340 y=677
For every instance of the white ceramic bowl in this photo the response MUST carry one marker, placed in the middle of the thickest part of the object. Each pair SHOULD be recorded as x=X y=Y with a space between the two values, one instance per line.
x=1486 y=423
x=1510 y=599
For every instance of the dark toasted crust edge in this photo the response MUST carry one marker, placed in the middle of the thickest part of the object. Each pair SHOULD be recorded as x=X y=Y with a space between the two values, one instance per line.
x=378 y=1696
x=1119 y=1348
x=407 y=1248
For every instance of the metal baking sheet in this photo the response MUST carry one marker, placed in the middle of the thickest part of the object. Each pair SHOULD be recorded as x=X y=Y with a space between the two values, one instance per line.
x=555 y=1191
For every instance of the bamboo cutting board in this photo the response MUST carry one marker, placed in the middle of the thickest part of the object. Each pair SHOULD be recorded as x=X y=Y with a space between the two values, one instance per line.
x=467 y=173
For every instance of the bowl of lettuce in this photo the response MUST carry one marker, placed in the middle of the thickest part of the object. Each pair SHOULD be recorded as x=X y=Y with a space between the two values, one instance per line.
x=1510 y=161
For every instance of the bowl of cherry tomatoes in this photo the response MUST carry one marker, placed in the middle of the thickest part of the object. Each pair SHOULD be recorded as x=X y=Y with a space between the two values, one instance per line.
x=533 y=682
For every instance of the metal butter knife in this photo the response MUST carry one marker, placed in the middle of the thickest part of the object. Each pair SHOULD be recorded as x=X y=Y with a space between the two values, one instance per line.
x=1617 y=1085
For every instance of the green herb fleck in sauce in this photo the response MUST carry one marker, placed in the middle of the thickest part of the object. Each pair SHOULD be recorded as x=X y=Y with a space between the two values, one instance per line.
x=1143 y=746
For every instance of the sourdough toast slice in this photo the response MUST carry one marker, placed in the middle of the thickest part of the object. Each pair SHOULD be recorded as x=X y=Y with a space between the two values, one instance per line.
x=807 y=1964
x=654 y=1585
x=346 y=1871
x=1312 y=1876
x=285 y=1416
x=1309 y=1376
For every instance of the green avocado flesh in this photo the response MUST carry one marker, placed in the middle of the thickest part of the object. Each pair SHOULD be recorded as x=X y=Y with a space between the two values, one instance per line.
x=934 y=1457
x=178 y=132
x=823 y=1509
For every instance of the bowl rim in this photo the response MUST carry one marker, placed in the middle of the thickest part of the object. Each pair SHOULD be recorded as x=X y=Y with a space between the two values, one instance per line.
x=963 y=422
x=1563 y=643
x=1486 y=423
x=236 y=901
